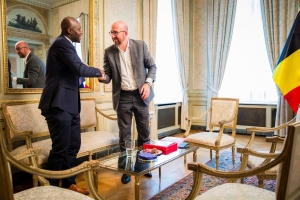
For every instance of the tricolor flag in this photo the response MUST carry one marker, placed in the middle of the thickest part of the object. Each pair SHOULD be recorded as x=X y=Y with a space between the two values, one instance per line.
x=287 y=72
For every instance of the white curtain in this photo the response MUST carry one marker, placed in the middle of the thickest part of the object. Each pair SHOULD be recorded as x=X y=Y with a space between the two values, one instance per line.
x=220 y=19
x=84 y=21
x=278 y=17
x=149 y=36
x=180 y=12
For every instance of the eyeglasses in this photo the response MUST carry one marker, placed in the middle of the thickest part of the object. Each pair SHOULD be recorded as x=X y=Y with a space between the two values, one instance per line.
x=115 y=32
x=19 y=48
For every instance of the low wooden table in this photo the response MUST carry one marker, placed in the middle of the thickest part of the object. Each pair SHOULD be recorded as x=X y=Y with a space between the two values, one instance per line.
x=136 y=167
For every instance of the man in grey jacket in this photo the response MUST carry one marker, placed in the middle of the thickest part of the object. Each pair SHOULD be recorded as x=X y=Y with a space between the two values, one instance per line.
x=34 y=72
x=132 y=70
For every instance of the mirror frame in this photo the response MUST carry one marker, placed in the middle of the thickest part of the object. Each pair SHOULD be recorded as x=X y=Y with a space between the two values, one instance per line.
x=8 y=90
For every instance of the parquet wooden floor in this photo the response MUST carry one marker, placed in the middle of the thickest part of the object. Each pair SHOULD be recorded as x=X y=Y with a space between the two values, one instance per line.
x=110 y=186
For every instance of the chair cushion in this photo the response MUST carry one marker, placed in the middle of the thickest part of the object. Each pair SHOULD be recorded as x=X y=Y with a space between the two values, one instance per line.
x=89 y=142
x=209 y=138
x=236 y=191
x=50 y=192
x=254 y=161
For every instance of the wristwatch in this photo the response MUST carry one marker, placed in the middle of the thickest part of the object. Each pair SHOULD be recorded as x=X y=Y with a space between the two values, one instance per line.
x=149 y=84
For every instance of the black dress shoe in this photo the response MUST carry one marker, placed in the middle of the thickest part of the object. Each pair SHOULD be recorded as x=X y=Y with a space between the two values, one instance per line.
x=149 y=175
x=125 y=178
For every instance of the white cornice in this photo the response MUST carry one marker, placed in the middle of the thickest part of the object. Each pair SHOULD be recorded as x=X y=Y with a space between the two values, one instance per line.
x=48 y=6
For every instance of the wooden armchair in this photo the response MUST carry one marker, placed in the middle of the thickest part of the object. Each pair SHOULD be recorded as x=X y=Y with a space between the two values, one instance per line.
x=253 y=161
x=222 y=114
x=47 y=191
x=288 y=177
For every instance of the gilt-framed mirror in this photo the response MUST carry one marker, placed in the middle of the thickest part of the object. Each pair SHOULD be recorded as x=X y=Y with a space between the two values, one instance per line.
x=37 y=23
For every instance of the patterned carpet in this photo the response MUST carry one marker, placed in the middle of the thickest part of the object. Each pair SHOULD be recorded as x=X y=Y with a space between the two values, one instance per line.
x=182 y=188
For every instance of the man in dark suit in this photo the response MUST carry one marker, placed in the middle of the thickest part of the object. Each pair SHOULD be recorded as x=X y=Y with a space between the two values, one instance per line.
x=34 y=73
x=132 y=70
x=60 y=100
x=9 y=74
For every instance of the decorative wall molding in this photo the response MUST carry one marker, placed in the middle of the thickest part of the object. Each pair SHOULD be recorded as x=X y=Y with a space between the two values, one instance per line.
x=49 y=6
x=19 y=33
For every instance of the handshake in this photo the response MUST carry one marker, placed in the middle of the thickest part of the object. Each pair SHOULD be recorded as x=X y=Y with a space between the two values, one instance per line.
x=103 y=77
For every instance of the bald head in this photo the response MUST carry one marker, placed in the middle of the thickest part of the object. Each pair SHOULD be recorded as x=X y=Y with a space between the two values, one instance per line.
x=71 y=28
x=119 y=34
x=22 y=48
x=120 y=25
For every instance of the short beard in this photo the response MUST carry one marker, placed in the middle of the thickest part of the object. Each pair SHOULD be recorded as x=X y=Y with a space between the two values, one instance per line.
x=117 y=42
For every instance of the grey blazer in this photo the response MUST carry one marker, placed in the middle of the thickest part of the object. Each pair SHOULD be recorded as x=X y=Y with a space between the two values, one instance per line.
x=34 y=73
x=142 y=64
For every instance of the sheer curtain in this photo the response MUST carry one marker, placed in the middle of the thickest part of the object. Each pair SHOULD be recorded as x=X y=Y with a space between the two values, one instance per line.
x=248 y=75
x=220 y=18
x=278 y=17
x=180 y=11
x=84 y=21
x=149 y=36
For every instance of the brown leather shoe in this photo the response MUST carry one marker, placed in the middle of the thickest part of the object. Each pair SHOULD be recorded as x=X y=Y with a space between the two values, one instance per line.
x=78 y=189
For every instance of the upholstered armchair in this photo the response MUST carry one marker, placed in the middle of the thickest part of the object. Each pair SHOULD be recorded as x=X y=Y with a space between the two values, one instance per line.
x=253 y=161
x=222 y=114
x=46 y=191
x=288 y=177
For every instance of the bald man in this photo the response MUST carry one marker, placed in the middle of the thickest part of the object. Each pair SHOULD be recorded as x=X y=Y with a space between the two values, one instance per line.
x=130 y=67
x=60 y=100
x=34 y=73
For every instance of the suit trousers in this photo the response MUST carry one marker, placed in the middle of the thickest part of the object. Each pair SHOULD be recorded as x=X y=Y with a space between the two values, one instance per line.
x=64 y=130
x=131 y=103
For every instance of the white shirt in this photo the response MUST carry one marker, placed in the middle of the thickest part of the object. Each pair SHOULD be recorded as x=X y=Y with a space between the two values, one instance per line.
x=127 y=75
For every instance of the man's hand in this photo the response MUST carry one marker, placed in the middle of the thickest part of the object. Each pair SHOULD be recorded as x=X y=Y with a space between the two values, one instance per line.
x=103 y=77
x=145 y=91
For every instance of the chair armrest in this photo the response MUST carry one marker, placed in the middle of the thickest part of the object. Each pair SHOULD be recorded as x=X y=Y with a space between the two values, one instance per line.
x=87 y=167
x=252 y=152
x=198 y=117
x=253 y=130
x=190 y=119
x=105 y=115
x=263 y=129
x=274 y=139
x=200 y=168
x=28 y=153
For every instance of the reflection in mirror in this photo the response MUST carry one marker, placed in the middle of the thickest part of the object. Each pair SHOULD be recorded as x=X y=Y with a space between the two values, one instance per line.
x=82 y=47
x=33 y=24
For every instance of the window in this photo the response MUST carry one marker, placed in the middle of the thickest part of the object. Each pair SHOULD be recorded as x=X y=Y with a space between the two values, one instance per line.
x=167 y=86
x=248 y=75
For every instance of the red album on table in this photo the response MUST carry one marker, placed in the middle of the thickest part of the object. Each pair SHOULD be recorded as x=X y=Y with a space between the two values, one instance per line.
x=165 y=146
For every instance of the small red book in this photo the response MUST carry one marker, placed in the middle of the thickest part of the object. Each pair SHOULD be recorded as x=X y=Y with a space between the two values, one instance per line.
x=165 y=146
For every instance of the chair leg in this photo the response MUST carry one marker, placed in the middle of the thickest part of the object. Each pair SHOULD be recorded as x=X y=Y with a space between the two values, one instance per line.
x=217 y=160
x=233 y=150
x=210 y=151
x=260 y=182
x=35 y=181
x=95 y=174
x=195 y=156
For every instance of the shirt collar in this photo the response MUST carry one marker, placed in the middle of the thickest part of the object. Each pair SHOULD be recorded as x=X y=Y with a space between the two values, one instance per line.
x=25 y=59
x=127 y=47
x=68 y=39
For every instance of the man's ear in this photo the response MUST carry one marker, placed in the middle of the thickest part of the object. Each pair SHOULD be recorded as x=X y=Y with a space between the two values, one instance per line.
x=69 y=30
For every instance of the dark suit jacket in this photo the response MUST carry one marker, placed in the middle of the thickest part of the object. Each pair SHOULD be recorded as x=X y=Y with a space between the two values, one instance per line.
x=63 y=69
x=9 y=74
x=142 y=64
x=34 y=73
